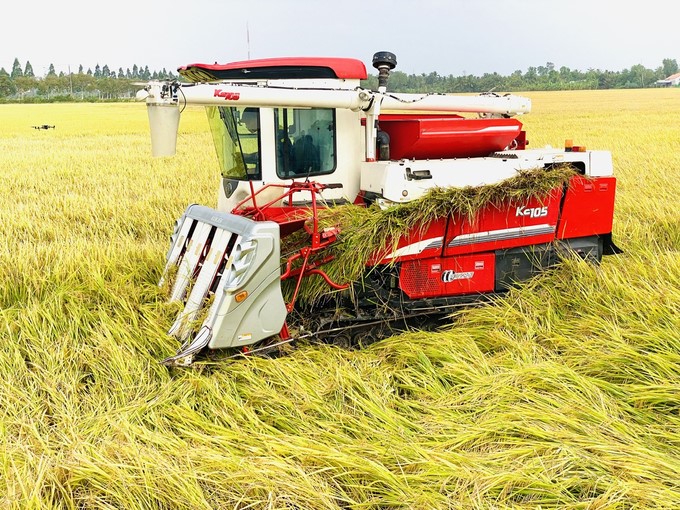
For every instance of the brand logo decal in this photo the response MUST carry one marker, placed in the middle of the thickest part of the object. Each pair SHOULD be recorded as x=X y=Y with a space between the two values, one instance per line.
x=450 y=275
x=532 y=212
x=228 y=96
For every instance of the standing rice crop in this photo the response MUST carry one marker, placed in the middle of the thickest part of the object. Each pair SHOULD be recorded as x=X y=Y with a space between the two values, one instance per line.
x=561 y=394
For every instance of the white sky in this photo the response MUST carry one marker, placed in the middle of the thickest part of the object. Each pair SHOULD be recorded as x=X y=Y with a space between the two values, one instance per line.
x=451 y=37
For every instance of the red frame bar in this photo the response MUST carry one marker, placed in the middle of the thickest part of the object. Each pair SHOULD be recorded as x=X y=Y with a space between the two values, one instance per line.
x=318 y=242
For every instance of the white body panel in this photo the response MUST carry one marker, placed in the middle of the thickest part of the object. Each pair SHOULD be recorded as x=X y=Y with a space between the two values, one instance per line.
x=390 y=179
x=485 y=103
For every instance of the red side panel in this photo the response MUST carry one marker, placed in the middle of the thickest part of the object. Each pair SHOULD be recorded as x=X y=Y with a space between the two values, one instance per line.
x=523 y=223
x=452 y=136
x=588 y=208
x=437 y=277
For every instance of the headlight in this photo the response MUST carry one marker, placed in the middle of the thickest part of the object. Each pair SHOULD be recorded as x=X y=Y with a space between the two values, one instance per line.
x=238 y=264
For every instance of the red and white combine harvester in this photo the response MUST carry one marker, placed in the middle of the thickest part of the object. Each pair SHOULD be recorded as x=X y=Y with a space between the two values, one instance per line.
x=298 y=136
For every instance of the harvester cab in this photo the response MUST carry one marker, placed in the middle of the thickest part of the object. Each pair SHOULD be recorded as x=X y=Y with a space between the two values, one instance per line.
x=299 y=139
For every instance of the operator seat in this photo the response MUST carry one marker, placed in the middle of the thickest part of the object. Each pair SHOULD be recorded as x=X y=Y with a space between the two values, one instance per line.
x=306 y=156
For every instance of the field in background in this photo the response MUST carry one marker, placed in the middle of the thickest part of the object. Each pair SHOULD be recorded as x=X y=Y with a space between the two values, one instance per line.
x=564 y=394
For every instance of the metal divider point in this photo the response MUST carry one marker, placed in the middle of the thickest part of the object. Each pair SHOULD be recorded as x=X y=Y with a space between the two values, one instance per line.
x=204 y=280
x=189 y=262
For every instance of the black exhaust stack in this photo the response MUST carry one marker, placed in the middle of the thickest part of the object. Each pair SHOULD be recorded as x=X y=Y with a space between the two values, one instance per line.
x=384 y=62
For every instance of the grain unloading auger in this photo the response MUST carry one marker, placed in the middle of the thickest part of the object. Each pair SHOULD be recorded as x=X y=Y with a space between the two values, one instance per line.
x=299 y=139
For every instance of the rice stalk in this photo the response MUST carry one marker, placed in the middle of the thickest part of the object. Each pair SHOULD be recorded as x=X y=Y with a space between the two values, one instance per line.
x=560 y=394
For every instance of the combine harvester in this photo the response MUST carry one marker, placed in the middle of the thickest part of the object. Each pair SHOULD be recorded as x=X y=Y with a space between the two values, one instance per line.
x=299 y=138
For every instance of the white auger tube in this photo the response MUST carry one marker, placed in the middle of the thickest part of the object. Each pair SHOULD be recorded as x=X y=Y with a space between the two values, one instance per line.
x=164 y=100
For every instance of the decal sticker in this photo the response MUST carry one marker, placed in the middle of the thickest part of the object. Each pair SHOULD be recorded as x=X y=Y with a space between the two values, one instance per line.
x=450 y=275
x=228 y=96
x=502 y=234
x=417 y=248
x=532 y=212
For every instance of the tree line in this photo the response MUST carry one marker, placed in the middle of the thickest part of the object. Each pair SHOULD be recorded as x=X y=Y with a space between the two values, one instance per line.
x=21 y=83
x=547 y=77
x=103 y=83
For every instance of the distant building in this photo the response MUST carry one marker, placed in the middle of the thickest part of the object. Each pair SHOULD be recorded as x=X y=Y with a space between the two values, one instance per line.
x=672 y=81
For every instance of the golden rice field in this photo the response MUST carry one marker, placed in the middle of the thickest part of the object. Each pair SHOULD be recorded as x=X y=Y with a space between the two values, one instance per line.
x=563 y=395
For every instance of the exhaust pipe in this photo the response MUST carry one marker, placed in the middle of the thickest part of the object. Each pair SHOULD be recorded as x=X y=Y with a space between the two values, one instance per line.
x=163 y=109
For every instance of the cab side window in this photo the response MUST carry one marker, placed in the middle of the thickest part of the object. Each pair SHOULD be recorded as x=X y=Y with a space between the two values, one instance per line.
x=305 y=144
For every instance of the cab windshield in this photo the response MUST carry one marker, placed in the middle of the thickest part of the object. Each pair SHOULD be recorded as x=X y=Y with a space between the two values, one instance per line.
x=236 y=134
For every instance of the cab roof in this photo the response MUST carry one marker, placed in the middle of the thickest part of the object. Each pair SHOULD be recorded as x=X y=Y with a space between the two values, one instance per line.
x=276 y=69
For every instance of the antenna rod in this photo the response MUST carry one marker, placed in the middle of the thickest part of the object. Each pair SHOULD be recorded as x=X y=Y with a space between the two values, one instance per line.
x=248 y=39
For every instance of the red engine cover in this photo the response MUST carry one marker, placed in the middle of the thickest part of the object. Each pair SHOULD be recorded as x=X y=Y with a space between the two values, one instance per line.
x=588 y=208
x=439 y=277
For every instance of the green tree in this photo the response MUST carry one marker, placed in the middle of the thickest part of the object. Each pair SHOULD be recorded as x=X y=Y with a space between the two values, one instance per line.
x=25 y=84
x=515 y=80
x=670 y=67
x=50 y=85
x=605 y=80
x=398 y=81
x=16 y=69
x=641 y=76
x=83 y=83
x=28 y=70
x=51 y=71
x=7 y=87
